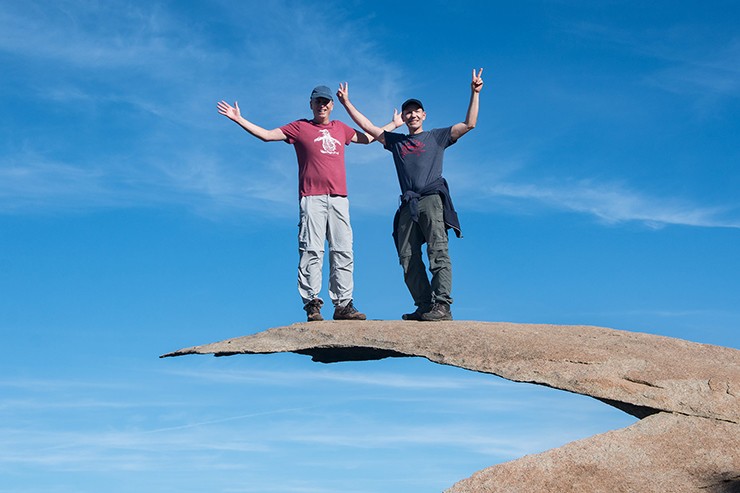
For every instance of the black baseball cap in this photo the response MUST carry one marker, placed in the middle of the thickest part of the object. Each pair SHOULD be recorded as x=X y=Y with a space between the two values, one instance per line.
x=412 y=101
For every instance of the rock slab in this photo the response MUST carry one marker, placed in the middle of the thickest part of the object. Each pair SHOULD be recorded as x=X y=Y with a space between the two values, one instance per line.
x=686 y=394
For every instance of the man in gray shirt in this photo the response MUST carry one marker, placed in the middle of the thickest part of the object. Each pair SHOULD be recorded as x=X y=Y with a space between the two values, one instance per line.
x=426 y=211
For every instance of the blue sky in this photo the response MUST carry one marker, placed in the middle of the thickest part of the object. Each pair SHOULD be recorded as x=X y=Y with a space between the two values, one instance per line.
x=599 y=188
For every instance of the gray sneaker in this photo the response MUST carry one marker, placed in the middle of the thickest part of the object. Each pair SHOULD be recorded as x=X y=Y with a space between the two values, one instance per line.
x=348 y=312
x=439 y=311
x=313 y=310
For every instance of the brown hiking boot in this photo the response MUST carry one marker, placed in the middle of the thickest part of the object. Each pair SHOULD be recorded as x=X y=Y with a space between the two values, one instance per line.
x=439 y=311
x=313 y=310
x=348 y=312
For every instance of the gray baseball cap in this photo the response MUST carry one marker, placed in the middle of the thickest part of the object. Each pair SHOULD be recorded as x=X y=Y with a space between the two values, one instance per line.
x=321 y=92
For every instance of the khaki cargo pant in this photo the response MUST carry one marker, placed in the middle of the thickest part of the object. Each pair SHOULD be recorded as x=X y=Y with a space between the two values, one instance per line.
x=325 y=218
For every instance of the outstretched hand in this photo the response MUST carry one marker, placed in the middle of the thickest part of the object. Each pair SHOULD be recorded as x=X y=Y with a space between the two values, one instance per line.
x=231 y=112
x=477 y=84
x=397 y=118
x=343 y=92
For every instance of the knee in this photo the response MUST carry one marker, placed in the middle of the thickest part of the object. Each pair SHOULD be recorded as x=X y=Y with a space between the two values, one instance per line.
x=341 y=258
x=411 y=262
x=310 y=256
x=439 y=259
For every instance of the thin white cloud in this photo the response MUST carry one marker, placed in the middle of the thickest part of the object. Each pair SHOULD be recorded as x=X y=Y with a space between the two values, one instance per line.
x=689 y=62
x=714 y=71
x=613 y=203
x=198 y=435
x=119 y=450
x=145 y=68
x=96 y=35
x=504 y=441
x=375 y=379
x=194 y=158
x=31 y=181
x=168 y=448
x=44 y=385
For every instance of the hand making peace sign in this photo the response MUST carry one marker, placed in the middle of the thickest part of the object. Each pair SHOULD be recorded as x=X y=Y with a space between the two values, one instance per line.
x=477 y=84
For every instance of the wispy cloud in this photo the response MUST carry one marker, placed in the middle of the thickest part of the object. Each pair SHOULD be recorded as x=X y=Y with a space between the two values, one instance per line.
x=614 y=203
x=118 y=450
x=29 y=180
x=328 y=427
x=184 y=154
x=375 y=379
x=215 y=427
x=93 y=36
x=129 y=66
x=687 y=60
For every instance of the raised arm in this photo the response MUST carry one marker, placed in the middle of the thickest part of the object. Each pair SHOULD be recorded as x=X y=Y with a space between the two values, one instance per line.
x=372 y=132
x=366 y=138
x=471 y=118
x=233 y=114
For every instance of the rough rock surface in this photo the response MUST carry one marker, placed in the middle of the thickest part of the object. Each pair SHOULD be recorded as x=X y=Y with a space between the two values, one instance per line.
x=686 y=394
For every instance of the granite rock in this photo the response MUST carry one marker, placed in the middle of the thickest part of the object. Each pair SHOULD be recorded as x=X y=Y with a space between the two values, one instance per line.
x=687 y=395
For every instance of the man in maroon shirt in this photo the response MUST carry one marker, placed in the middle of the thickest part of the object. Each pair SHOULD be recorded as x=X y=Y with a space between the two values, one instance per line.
x=324 y=207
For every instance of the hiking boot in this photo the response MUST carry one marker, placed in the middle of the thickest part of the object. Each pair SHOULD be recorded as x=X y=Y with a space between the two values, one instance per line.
x=313 y=310
x=348 y=312
x=415 y=315
x=439 y=311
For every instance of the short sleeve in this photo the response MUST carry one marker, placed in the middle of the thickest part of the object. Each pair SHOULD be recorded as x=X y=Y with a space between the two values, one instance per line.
x=443 y=136
x=348 y=131
x=390 y=139
x=291 y=131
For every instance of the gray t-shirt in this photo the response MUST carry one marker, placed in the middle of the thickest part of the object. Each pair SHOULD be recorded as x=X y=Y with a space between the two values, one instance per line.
x=418 y=158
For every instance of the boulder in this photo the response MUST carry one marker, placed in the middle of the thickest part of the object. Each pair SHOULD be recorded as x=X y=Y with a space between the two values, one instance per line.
x=686 y=395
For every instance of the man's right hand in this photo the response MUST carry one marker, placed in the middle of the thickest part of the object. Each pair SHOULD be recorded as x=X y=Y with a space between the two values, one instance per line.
x=230 y=112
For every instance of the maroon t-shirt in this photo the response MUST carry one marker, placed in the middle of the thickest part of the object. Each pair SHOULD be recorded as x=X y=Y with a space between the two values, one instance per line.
x=320 y=153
